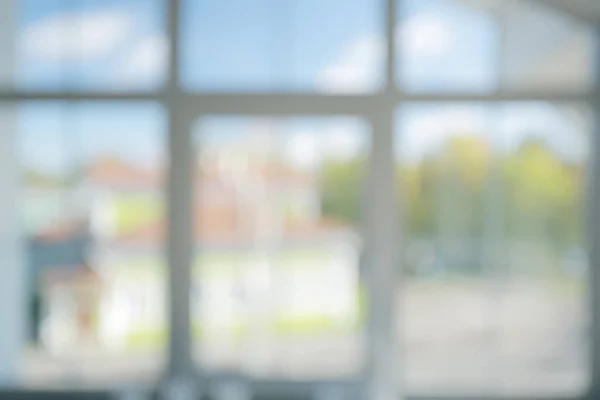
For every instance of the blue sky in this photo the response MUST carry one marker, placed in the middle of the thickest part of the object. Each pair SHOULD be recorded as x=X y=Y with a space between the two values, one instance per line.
x=448 y=47
x=89 y=44
x=54 y=136
x=314 y=45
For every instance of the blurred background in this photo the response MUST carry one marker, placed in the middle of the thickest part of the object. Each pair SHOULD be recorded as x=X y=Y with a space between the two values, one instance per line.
x=493 y=110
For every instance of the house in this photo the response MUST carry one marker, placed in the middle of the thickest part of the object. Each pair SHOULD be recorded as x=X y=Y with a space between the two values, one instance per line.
x=263 y=229
x=66 y=288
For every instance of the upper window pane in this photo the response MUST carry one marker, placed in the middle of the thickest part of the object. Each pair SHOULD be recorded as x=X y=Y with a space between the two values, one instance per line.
x=460 y=46
x=446 y=45
x=292 y=45
x=83 y=45
x=544 y=49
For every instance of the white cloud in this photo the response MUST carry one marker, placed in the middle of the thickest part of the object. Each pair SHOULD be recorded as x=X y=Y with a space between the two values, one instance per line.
x=357 y=68
x=426 y=36
x=76 y=35
x=146 y=61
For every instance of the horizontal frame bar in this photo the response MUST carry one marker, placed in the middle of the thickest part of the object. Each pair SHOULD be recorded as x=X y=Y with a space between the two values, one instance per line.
x=17 y=96
x=264 y=391
x=500 y=97
x=221 y=102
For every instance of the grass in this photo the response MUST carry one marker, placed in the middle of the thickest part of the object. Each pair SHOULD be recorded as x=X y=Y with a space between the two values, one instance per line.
x=227 y=264
x=283 y=327
x=215 y=264
x=322 y=325
x=133 y=212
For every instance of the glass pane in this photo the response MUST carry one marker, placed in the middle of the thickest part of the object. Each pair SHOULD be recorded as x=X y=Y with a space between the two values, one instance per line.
x=93 y=228
x=276 y=278
x=443 y=155
x=546 y=50
x=480 y=46
x=447 y=45
x=495 y=300
x=543 y=310
x=292 y=45
x=84 y=45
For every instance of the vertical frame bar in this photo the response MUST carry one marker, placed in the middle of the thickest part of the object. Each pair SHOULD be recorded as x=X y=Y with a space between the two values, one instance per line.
x=180 y=237
x=594 y=230
x=382 y=243
x=382 y=234
x=389 y=20
x=13 y=308
x=180 y=230
x=13 y=305
x=494 y=261
x=173 y=12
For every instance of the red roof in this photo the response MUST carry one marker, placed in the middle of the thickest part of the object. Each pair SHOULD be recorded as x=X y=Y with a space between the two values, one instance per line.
x=222 y=228
x=68 y=275
x=115 y=172
x=279 y=174
x=217 y=219
x=61 y=232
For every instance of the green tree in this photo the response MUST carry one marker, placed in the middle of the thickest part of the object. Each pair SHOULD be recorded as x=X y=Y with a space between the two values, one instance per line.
x=544 y=194
x=341 y=185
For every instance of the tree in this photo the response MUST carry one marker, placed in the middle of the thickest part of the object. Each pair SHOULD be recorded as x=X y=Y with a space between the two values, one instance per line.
x=341 y=186
x=544 y=194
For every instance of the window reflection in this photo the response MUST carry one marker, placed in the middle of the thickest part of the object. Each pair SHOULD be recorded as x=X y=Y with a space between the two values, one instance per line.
x=92 y=180
x=480 y=46
x=296 y=45
x=277 y=238
x=494 y=195
x=85 y=45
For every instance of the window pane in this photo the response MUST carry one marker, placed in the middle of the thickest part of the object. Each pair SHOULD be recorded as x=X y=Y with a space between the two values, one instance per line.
x=92 y=218
x=84 y=45
x=292 y=45
x=276 y=282
x=544 y=49
x=480 y=46
x=446 y=45
x=443 y=159
x=543 y=308
x=495 y=301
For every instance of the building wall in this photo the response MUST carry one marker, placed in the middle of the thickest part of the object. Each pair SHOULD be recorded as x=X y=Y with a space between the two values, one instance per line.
x=311 y=286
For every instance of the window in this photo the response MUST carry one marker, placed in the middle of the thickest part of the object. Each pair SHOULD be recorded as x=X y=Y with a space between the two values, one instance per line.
x=495 y=259
x=538 y=37
x=84 y=45
x=280 y=287
x=93 y=223
x=270 y=45
x=446 y=45
x=305 y=198
x=456 y=46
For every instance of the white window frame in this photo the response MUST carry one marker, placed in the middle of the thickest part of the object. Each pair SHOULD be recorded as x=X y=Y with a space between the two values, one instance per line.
x=184 y=108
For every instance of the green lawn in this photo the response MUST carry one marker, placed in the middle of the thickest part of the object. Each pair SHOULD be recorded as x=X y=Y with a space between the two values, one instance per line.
x=283 y=327
x=133 y=212
x=211 y=264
